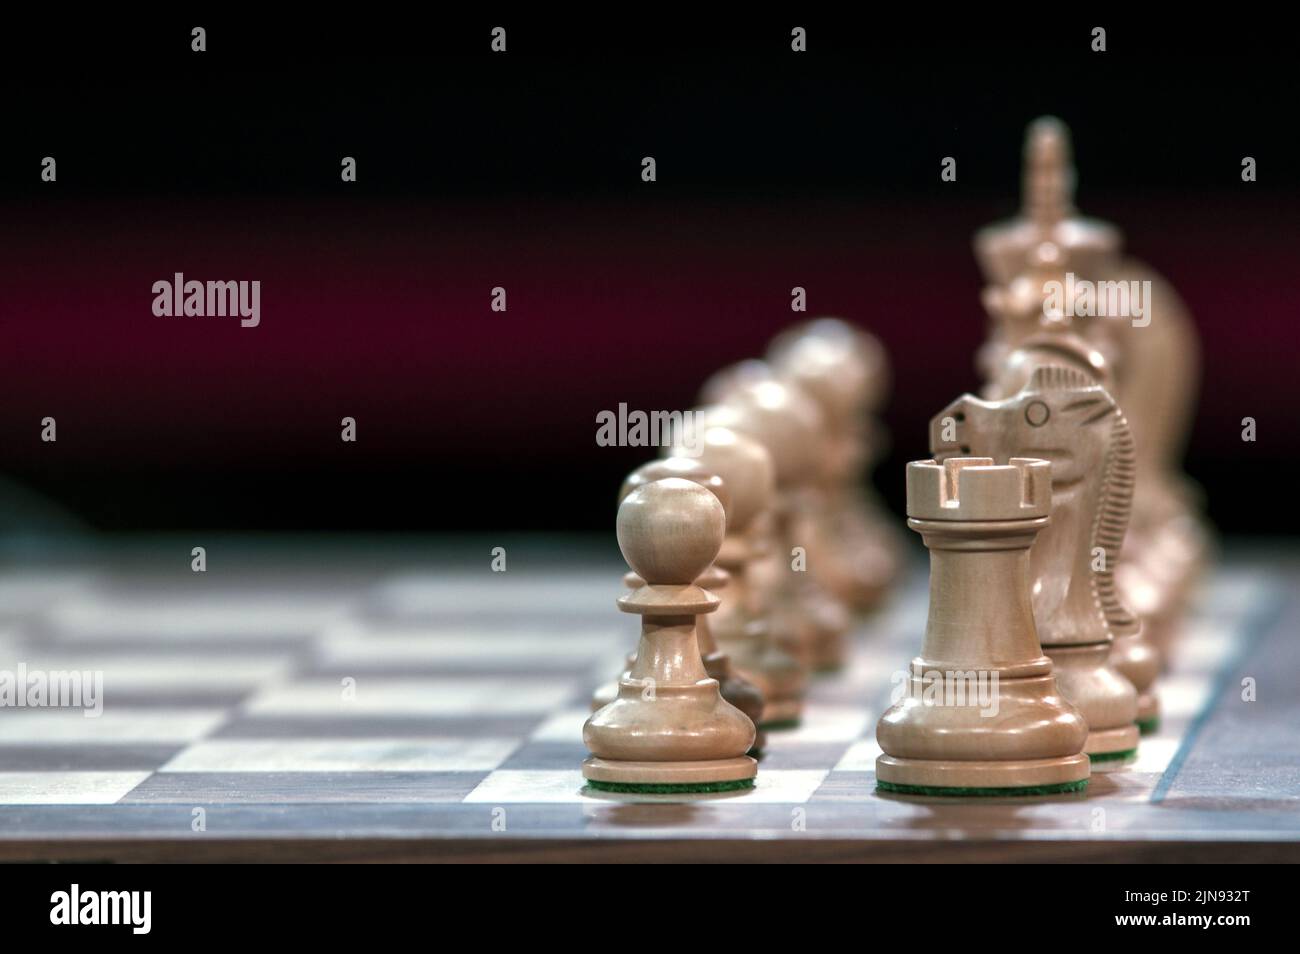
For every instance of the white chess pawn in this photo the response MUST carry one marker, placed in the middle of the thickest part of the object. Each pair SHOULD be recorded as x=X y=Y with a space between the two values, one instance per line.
x=669 y=730
x=736 y=688
x=809 y=620
x=846 y=372
x=744 y=625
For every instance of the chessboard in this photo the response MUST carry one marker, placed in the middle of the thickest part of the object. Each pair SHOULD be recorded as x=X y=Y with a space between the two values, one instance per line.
x=316 y=703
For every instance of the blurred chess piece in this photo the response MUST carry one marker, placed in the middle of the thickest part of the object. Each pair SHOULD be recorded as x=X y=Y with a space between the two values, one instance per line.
x=845 y=370
x=1134 y=653
x=1062 y=416
x=1154 y=358
x=669 y=729
x=745 y=626
x=1012 y=733
x=788 y=422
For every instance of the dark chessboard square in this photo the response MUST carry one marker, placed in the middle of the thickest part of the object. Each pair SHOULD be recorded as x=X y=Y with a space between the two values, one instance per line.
x=86 y=756
x=218 y=788
x=376 y=726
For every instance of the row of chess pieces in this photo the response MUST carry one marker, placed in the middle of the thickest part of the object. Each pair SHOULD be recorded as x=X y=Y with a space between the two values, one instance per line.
x=1063 y=537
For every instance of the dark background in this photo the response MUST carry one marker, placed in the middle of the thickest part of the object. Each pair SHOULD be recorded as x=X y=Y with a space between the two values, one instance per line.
x=523 y=170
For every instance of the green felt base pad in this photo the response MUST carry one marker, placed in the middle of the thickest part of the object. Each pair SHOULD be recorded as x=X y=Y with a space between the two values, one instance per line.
x=1057 y=789
x=685 y=788
x=1112 y=756
x=1149 y=726
x=780 y=726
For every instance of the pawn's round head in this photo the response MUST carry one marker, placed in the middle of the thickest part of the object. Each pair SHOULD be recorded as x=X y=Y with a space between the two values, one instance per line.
x=830 y=373
x=782 y=417
x=687 y=468
x=670 y=530
x=867 y=365
x=722 y=384
x=745 y=467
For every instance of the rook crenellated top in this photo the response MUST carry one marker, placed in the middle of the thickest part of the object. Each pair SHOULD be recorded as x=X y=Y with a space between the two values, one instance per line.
x=974 y=488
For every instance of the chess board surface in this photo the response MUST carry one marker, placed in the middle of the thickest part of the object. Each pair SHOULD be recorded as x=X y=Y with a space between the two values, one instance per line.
x=290 y=704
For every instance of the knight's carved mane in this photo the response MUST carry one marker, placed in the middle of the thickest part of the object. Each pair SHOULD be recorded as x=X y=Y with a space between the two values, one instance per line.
x=1059 y=377
x=1112 y=520
x=1119 y=473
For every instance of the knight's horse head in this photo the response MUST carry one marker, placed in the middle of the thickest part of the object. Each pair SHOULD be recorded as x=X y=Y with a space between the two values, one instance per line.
x=1063 y=415
x=1053 y=416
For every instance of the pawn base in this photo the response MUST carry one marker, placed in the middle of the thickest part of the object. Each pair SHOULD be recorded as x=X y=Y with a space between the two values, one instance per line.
x=1064 y=788
x=829 y=655
x=781 y=714
x=937 y=776
x=1113 y=761
x=702 y=776
x=701 y=788
x=828 y=662
x=1112 y=749
x=865 y=597
x=1148 y=712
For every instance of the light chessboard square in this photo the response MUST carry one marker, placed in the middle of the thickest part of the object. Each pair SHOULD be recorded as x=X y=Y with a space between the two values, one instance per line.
x=67 y=788
x=425 y=595
x=827 y=723
x=116 y=724
x=342 y=755
x=171 y=619
x=466 y=697
x=23 y=592
x=139 y=672
x=860 y=757
x=564 y=726
x=374 y=645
